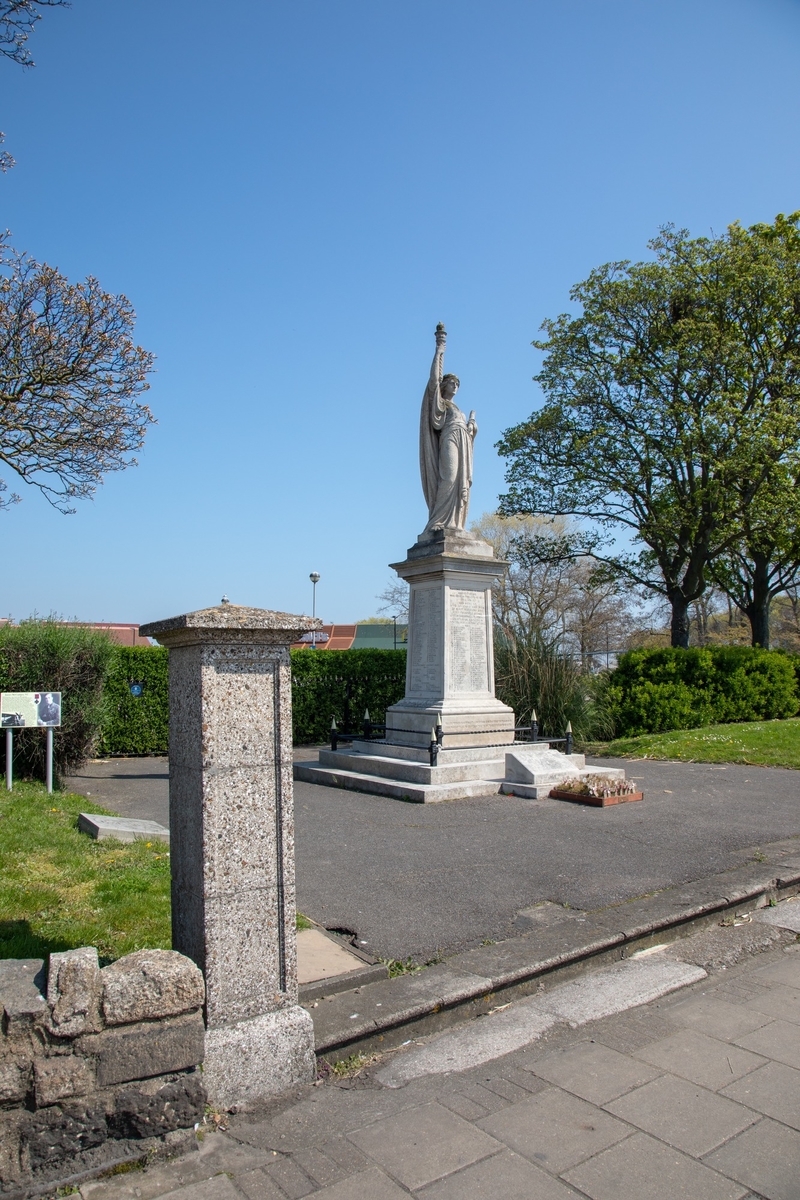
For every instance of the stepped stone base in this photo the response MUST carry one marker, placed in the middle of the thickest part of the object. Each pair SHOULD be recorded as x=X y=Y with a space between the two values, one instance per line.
x=404 y=772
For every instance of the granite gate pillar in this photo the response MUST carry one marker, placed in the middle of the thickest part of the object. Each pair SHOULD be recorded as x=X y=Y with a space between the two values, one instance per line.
x=232 y=841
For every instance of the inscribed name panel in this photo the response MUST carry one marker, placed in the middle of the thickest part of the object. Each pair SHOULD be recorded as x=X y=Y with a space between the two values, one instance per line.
x=469 y=655
x=427 y=619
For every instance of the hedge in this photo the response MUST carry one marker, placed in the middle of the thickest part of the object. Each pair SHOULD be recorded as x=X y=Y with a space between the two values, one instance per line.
x=137 y=724
x=325 y=683
x=342 y=684
x=46 y=655
x=652 y=691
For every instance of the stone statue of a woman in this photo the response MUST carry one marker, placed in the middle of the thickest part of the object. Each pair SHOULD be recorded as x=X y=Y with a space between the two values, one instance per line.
x=445 y=448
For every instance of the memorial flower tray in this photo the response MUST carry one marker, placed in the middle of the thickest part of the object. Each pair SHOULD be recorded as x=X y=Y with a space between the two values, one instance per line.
x=596 y=790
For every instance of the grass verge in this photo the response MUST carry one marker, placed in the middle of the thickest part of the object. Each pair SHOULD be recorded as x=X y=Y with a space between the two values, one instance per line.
x=754 y=743
x=60 y=889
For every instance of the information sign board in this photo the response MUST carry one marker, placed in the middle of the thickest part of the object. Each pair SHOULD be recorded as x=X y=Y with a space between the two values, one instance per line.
x=19 y=710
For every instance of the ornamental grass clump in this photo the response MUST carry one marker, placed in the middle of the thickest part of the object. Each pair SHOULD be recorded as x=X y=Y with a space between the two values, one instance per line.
x=599 y=787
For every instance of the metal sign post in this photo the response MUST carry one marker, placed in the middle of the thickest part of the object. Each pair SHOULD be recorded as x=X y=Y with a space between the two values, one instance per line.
x=9 y=759
x=49 y=768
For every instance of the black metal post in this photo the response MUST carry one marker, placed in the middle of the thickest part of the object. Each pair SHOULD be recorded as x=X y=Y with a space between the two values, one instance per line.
x=434 y=748
x=334 y=734
x=534 y=727
x=439 y=731
x=568 y=739
x=367 y=725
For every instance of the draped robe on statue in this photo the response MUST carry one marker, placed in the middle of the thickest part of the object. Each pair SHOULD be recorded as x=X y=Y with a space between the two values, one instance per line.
x=445 y=459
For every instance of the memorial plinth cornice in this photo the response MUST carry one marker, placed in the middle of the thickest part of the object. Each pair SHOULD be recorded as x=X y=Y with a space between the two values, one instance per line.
x=231 y=624
x=439 y=564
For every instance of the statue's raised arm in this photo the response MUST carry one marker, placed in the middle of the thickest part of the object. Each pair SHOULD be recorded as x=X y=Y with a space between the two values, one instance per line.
x=445 y=447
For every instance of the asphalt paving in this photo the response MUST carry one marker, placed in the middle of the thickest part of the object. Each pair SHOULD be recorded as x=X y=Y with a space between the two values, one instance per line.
x=421 y=881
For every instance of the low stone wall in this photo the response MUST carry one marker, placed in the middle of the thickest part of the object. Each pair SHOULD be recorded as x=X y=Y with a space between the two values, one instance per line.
x=96 y=1065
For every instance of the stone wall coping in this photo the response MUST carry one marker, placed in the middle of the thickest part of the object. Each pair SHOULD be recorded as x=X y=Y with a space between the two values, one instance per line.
x=237 y=618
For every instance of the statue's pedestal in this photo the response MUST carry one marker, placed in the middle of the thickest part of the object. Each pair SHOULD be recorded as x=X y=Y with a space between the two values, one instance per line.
x=450 y=670
x=449 y=682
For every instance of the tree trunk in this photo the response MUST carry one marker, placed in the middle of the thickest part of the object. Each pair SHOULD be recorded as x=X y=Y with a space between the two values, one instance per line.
x=680 y=623
x=758 y=610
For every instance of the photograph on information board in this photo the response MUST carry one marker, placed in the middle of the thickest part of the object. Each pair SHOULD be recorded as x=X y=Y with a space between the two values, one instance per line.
x=20 y=710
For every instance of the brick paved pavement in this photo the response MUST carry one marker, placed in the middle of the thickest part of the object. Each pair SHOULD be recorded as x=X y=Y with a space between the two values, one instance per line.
x=694 y=1095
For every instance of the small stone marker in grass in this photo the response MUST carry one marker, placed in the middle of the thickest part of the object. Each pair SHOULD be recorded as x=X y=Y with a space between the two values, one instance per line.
x=124 y=829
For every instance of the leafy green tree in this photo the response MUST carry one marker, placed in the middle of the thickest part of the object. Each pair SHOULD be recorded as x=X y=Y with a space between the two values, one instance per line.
x=670 y=403
x=766 y=561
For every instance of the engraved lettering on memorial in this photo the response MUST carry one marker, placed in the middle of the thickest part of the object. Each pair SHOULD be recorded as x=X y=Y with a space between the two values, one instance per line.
x=468 y=648
x=426 y=639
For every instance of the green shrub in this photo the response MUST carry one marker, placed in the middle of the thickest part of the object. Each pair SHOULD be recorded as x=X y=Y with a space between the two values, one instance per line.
x=652 y=691
x=137 y=724
x=48 y=656
x=342 y=684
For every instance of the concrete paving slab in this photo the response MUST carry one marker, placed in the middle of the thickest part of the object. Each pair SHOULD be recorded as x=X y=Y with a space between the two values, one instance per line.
x=555 y=1130
x=505 y=1176
x=717 y=1017
x=593 y=1071
x=766 y=1157
x=615 y=989
x=320 y=1166
x=780 y=1040
x=368 y=1185
x=470 y=1045
x=628 y=1032
x=786 y=915
x=641 y=1168
x=787 y=972
x=285 y=1174
x=778 y=1001
x=773 y=1090
x=256 y=1186
x=122 y=829
x=684 y=1115
x=701 y=1059
x=319 y=957
x=423 y=1144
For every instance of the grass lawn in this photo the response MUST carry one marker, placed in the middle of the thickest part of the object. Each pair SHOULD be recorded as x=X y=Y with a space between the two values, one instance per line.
x=60 y=889
x=755 y=743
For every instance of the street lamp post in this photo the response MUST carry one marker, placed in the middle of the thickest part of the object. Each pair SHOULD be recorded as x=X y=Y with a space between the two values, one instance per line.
x=314 y=577
x=394 y=622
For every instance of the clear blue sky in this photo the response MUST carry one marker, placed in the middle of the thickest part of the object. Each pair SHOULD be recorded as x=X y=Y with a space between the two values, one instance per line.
x=293 y=193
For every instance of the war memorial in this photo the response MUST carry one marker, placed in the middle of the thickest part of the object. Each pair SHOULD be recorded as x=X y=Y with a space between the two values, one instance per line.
x=449 y=737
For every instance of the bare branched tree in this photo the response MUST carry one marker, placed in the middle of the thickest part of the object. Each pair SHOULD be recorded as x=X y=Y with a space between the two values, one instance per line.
x=395 y=599
x=70 y=375
x=17 y=19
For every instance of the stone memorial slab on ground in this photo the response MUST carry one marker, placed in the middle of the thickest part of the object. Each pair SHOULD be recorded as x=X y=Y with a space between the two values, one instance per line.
x=123 y=829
